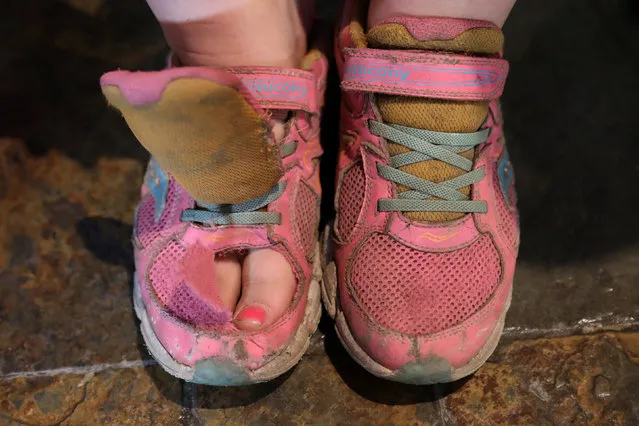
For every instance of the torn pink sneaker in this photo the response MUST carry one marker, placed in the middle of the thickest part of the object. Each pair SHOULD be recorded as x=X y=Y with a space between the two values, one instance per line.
x=219 y=182
x=426 y=234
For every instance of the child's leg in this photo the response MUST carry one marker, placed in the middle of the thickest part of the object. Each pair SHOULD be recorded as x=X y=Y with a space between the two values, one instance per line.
x=495 y=11
x=225 y=33
x=232 y=33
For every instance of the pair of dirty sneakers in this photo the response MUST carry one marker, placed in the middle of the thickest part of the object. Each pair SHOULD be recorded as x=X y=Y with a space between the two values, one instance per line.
x=417 y=268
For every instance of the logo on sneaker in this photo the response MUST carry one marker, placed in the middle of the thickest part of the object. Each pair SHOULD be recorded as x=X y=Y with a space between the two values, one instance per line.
x=380 y=72
x=506 y=180
x=269 y=88
x=438 y=238
x=235 y=234
x=158 y=184
x=424 y=74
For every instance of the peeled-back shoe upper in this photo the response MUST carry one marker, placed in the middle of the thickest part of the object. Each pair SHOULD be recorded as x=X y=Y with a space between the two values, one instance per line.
x=219 y=182
x=426 y=232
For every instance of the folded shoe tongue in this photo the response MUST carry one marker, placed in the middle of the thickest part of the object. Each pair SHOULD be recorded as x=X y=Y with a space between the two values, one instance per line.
x=443 y=35
x=203 y=127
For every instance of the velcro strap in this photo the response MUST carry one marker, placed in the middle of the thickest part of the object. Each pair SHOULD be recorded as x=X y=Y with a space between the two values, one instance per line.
x=424 y=74
x=280 y=88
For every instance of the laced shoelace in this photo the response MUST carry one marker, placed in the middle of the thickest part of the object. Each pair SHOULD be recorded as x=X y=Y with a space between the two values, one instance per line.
x=246 y=213
x=428 y=145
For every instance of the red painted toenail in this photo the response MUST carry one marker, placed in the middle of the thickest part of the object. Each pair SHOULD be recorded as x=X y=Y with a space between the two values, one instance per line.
x=252 y=314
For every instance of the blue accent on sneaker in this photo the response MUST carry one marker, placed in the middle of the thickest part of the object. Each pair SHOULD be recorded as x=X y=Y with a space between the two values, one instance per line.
x=506 y=177
x=157 y=181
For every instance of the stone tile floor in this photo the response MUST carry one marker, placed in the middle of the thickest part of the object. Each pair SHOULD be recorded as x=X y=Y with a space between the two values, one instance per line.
x=70 y=352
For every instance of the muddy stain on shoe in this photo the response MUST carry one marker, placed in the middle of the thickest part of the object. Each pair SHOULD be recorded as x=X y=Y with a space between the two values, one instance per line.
x=240 y=351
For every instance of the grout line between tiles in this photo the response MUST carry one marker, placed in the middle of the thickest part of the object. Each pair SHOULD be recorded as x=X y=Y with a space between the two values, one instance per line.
x=602 y=324
x=96 y=368
x=190 y=415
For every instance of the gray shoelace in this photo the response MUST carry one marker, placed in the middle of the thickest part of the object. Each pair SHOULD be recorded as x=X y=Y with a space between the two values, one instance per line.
x=428 y=145
x=245 y=213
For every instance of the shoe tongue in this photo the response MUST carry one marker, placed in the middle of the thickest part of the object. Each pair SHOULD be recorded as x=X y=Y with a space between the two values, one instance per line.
x=210 y=128
x=459 y=36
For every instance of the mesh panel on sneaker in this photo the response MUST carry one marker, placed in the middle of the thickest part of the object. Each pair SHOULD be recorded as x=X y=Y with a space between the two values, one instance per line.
x=415 y=292
x=306 y=211
x=351 y=198
x=146 y=229
x=176 y=297
x=506 y=218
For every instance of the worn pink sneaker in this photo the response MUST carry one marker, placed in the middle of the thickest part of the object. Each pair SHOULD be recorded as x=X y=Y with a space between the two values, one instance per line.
x=219 y=182
x=426 y=234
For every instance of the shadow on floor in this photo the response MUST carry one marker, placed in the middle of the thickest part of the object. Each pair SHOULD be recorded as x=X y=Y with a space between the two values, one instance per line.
x=215 y=397
x=109 y=240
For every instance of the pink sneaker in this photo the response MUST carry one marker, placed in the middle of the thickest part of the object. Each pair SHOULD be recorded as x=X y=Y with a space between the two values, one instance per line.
x=210 y=135
x=426 y=234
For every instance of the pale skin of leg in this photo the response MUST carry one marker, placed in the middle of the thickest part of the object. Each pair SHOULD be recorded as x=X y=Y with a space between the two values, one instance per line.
x=495 y=11
x=233 y=33
x=225 y=33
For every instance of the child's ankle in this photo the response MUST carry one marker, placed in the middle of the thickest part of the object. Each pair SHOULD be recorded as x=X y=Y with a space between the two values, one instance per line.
x=252 y=33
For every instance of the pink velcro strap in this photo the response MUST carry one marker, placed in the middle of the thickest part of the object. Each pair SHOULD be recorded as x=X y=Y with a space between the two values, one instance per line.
x=278 y=88
x=424 y=74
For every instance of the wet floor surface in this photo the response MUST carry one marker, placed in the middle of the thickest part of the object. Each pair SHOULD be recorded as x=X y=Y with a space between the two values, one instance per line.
x=70 y=351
